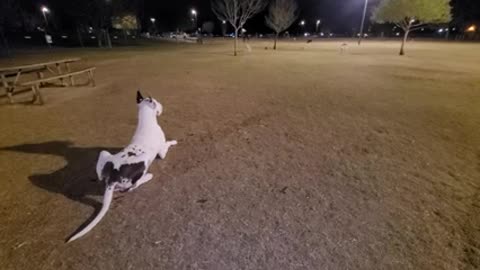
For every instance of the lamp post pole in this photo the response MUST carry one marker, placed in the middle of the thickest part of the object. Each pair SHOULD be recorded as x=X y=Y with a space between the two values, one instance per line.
x=48 y=38
x=363 y=22
x=45 y=10
x=194 y=19
x=302 y=24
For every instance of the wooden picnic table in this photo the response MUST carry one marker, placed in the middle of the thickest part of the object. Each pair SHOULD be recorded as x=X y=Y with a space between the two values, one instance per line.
x=10 y=77
x=36 y=66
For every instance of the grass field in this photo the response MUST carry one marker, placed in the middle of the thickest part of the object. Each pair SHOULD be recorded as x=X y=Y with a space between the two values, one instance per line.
x=300 y=158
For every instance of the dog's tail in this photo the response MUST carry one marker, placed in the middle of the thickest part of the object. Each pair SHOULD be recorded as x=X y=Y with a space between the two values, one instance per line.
x=103 y=158
x=107 y=199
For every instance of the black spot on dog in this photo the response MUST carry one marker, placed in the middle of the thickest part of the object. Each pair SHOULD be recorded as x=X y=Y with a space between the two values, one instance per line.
x=131 y=154
x=133 y=172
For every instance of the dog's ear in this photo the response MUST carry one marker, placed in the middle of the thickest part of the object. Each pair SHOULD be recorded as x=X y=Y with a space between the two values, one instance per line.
x=139 y=97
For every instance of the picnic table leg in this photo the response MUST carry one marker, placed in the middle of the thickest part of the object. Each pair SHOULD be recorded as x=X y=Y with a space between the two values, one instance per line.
x=36 y=94
x=59 y=70
x=90 y=77
x=67 y=65
x=7 y=89
x=40 y=76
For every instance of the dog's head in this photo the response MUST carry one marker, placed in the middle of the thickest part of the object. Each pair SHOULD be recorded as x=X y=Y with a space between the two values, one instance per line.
x=150 y=103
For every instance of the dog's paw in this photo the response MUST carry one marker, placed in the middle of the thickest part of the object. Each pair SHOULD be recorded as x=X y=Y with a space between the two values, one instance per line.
x=173 y=142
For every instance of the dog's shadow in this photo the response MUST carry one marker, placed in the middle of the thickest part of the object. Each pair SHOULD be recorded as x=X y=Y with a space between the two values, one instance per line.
x=77 y=179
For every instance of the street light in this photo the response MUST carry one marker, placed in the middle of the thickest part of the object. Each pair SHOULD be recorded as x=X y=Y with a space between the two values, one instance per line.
x=45 y=10
x=194 y=19
x=48 y=38
x=154 y=28
x=363 y=22
x=302 y=24
x=317 y=25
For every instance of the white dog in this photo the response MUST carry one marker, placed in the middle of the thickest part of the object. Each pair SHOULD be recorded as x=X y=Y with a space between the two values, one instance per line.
x=127 y=170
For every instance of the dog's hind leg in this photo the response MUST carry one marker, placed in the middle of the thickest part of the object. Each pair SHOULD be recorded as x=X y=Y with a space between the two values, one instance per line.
x=103 y=158
x=163 y=152
x=147 y=177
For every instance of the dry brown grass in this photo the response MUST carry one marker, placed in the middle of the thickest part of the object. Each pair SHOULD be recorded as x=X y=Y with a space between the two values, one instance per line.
x=296 y=159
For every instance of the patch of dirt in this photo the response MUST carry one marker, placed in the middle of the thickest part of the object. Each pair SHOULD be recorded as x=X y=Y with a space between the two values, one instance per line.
x=294 y=159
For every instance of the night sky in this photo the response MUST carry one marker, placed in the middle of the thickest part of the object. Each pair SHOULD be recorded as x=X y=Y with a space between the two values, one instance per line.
x=338 y=16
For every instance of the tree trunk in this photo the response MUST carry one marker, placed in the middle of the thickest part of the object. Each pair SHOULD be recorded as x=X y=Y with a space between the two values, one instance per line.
x=275 y=41
x=405 y=37
x=79 y=36
x=235 y=43
x=99 y=38
x=107 y=38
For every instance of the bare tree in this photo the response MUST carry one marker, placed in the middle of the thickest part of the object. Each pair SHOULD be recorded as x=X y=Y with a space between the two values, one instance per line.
x=237 y=13
x=281 y=15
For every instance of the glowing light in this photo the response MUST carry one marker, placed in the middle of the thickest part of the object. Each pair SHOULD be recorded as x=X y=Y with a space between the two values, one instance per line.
x=440 y=30
x=152 y=20
x=194 y=12
x=472 y=28
x=45 y=9
x=224 y=22
x=318 y=22
x=302 y=23
x=397 y=34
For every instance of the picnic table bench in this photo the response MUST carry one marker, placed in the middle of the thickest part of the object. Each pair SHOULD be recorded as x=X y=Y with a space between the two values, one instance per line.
x=10 y=77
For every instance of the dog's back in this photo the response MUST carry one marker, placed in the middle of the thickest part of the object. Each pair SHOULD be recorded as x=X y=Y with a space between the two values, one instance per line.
x=125 y=175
